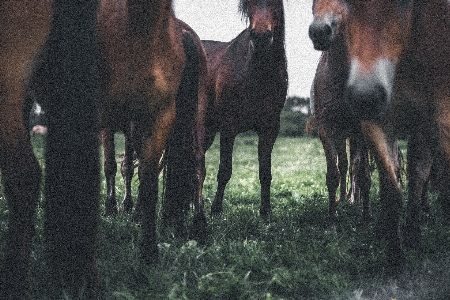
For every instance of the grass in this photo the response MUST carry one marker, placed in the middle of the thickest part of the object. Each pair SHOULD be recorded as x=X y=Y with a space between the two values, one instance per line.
x=294 y=256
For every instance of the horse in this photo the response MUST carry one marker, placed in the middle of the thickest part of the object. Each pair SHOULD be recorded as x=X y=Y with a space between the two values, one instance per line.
x=398 y=81
x=330 y=110
x=247 y=87
x=55 y=39
x=151 y=72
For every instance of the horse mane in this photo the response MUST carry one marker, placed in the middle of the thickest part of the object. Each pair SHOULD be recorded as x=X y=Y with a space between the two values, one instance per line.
x=244 y=6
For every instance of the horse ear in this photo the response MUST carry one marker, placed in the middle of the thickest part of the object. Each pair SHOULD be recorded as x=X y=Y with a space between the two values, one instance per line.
x=243 y=8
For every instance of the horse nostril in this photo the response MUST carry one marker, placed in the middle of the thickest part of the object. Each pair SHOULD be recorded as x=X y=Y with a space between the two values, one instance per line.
x=268 y=35
x=327 y=30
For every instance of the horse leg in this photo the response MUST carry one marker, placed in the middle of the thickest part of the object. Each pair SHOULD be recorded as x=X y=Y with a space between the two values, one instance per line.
x=148 y=197
x=364 y=180
x=418 y=169
x=266 y=141
x=21 y=177
x=332 y=175
x=127 y=170
x=149 y=148
x=110 y=169
x=360 y=174
x=443 y=111
x=342 y=164
x=355 y=161
x=225 y=170
x=199 y=223
x=385 y=151
x=72 y=183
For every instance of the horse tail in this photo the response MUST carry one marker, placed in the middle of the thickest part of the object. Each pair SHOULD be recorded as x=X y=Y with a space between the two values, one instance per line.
x=179 y=162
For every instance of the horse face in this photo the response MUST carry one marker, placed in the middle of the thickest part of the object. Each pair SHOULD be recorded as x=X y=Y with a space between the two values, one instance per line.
x=263 y=16
x=377 y=33
x=329 y=17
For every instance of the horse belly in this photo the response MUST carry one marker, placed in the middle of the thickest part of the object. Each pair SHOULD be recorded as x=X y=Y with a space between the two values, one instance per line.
x=25 y=26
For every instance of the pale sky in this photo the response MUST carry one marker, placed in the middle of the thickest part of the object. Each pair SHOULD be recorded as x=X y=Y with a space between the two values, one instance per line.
x=220 y=20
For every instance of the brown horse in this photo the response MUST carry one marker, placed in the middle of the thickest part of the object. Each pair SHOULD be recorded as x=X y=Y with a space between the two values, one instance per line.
x=247 y=89
x=331 y=112
x=48 y=52
x=151 y=70
x=399 y=80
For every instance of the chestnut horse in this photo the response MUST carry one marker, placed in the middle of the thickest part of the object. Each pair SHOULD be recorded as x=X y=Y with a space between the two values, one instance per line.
x=151 y=70
x=246 y=90
x=127 y=165
x=48 y=52
x=399 y=80
x=331 y=112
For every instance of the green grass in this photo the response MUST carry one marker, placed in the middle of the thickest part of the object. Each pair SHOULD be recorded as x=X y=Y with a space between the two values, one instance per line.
x=294 y=256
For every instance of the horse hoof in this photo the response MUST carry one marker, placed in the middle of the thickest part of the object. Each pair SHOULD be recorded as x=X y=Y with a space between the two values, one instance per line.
x=111 y=211
x=137 y=216
x=265 y=213
x=127 y=204
x=216 y=210
x=411 y=237
x=199 y=228
x=395 y=261
x=150 y=255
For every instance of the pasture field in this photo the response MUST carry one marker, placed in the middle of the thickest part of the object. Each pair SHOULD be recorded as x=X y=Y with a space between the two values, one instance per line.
x=293 y=256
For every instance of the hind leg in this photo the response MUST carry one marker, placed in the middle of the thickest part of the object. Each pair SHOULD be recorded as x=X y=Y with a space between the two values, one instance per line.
x=200 y=139
x=21 y=177
x=110 y=168
x=127 y=170
x=225 y=170
x=342 y=163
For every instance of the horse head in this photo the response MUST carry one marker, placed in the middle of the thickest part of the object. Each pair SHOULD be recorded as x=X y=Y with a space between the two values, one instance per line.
x=329 y=19
x=265 y=18
x=377 y=34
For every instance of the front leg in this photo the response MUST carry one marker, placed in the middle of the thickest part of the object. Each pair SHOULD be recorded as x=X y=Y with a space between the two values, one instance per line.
x=152 y=139
x=225 y=169
x=419 y=166
x=332 y=175
x=266 y=141
x=384 y=149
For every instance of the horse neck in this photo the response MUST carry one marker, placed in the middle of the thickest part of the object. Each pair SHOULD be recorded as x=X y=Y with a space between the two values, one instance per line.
x=431 y=50
x=337 y=57
x=146 y=15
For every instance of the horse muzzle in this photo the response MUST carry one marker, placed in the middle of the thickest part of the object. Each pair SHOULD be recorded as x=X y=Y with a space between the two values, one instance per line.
x=261 y=41
x=369 y=93
x=321 y=32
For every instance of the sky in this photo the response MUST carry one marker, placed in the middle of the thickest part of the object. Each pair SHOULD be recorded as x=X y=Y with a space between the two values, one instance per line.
x=220 y=20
